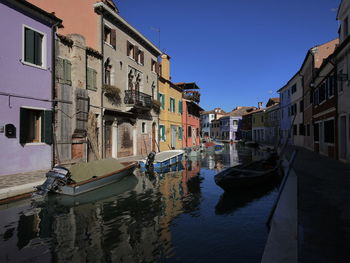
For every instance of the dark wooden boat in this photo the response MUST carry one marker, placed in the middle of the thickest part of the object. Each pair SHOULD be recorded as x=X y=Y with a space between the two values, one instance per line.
x=249 y=175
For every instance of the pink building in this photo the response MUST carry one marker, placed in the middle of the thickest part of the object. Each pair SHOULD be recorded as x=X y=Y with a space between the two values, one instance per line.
x=191 y=114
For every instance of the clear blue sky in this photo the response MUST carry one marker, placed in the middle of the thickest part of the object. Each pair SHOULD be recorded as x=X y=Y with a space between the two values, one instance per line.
x=238 y=52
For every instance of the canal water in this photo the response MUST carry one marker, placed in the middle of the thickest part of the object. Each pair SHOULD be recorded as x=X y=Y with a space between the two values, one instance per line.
x=179 y=216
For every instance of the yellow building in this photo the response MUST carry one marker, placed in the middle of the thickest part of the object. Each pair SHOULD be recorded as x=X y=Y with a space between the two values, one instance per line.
x=170 y=117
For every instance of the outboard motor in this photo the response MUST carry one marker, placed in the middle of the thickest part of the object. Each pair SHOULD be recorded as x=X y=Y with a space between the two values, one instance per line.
x=57 y=176
x=150 y=159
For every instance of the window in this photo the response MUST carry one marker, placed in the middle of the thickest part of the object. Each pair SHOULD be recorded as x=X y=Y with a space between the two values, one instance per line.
x=161 y=100
x=144 y=127
x=301 y=106
x=180 y=108
x=288 y=93
x=162 y=133
x=316 y=132
x=189 y=131
x=153 y=66
x=295 y=129
x=130 y=50
x=82 y=110
x=262 y=118
x=172 y=105
x=308 y=129
x=180 y=133
x=329 y=131
x=294 y=88
x=235 y=122
x=35 y=126
x=301 y=129
x=91 y=79
x=346 y=27
x=107 y=75
x=316 y=97
x=63 y=71
x=140 y=57
x=322 y=93
x=34 y=49
x=110 y=36
x=331 y=85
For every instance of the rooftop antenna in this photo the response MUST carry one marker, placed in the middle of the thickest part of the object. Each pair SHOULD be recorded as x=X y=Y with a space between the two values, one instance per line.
x=157 y=30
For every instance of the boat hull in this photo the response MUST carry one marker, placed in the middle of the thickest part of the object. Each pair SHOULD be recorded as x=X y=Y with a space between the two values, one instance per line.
x=170 y=158
x=95 y=183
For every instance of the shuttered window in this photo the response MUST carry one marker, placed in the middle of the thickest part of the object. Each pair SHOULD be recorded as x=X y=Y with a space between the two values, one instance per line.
x=33 y=47
x=180 y=106
x=172 y=105
x=63 y=71
x=35 y=126
x=82 y=110
x=91 y=79
x=162 y=132
x=180 y=133
x=161 y=98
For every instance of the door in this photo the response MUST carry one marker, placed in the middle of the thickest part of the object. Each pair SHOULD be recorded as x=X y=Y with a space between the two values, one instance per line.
x=343 y=142
x=108 y=140
x=173 y=137
x=323 y=146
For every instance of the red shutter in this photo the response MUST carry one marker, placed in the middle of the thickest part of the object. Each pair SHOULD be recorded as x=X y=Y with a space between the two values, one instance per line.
x=113 y=38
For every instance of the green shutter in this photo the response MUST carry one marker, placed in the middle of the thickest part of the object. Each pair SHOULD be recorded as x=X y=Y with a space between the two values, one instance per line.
x=180 y=133
x=23 y=124
x=29 y=45
x=89 y=78
x=38 y=39
x=163 y=104
x=68 y=72
x=180 y=106
x=94 y=79
x=163 y=133
x=46 y=127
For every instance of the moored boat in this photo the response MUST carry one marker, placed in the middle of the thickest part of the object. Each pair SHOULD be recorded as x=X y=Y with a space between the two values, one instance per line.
x=164 y=159
x=85 y=177
x=243 y=176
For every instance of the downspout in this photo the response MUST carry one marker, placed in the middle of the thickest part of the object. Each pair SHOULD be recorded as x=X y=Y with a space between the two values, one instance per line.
x=53 y=78
x=102 y=78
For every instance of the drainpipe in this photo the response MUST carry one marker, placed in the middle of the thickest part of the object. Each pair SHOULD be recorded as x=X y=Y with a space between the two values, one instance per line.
x=53 y=78
x=102 y=78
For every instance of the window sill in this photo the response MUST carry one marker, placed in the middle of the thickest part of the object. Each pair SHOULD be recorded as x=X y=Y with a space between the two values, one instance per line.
x=92 y=89
x=34 y=143
x=32 y=65
x=108 y=44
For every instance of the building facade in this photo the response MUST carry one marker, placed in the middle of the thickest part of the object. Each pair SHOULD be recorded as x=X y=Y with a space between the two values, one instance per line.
x=206 y=119
x=272 y=124
x=26 y=90
x=190 y=114
x=342 y=61
x=170 y=118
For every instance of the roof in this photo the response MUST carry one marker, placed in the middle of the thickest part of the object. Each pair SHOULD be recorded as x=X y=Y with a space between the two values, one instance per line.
x=193 y=103
x=240 y=111
x=213 y=111
x=36 y=11
x=102 y=7
x=187 y=85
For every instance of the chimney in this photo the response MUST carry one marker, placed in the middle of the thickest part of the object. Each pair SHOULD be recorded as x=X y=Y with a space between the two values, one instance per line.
x=260 y=105
x=165 y=67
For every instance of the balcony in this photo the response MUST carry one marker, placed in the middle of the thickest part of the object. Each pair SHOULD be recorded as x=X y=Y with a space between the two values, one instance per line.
x=137 y=99
x=192 y=95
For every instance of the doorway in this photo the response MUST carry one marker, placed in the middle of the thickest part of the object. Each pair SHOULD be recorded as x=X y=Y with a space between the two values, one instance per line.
x=173 y=137
x=108 y=139
x=343 y=142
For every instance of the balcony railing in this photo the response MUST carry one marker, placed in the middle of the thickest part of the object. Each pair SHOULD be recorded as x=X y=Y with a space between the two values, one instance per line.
x=138 y=98
x=192 y=95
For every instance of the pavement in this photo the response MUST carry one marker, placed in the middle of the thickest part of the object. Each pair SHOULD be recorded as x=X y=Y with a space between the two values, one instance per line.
x=322 y=212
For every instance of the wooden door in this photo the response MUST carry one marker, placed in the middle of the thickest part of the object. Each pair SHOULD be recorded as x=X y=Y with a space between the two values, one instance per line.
x=108 y=140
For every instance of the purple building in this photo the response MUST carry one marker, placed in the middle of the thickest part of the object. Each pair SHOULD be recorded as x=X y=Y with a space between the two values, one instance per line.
x=26 y=87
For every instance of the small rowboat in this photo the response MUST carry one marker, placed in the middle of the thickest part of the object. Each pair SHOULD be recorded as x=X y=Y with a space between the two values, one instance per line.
x=165 y=159
x=84 y=177
x=243 y=176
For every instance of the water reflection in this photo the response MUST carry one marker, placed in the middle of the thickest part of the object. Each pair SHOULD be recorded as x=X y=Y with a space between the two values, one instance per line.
x=135 y=220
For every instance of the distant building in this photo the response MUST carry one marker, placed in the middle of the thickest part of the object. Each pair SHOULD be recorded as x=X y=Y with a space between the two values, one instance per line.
x=272 y=121
x=26 y=91
x=231 y=123
x=206 y=118
x=190 y=114
x=215 y=129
